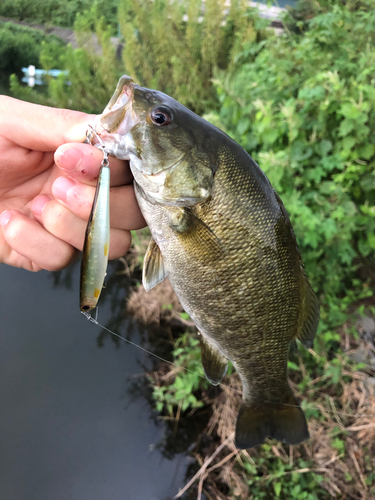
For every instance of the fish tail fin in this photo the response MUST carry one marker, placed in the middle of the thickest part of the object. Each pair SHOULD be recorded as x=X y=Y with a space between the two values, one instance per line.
x=282 y=421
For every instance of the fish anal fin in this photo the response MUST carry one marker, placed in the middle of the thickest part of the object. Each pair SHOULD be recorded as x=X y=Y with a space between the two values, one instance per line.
x=214 y=363
x=282 y=421
x=153 y=266
x=195 y=235
x=309 y=317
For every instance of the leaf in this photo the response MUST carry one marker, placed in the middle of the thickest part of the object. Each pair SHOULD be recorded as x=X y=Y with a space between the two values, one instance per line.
x=293 y=366
x=277 y=488
x=325 y=147
x=350 y=110
x=159 y=406
x=348 y=143
x=371 y=240
x=180 y=395
x=346 y=127
x=366 y=151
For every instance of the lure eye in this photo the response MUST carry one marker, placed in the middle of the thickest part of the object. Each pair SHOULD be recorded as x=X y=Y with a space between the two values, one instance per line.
x=161 y=116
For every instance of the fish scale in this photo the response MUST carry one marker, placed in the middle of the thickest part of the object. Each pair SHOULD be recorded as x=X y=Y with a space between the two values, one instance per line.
x=224 y=239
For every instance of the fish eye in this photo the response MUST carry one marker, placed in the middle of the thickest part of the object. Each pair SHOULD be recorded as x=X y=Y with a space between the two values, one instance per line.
x=161 y=116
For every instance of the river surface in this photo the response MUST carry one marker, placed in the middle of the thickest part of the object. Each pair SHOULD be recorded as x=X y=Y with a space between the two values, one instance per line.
x=70 y=428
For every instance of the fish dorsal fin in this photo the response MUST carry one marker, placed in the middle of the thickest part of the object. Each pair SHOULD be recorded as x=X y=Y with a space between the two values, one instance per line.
x=310 y=317
x=214 y=363
x=196 y=236
x=153 y=266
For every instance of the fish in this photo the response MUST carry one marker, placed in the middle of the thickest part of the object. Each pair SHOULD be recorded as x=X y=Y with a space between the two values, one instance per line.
x=222 y=236
x=96 y=245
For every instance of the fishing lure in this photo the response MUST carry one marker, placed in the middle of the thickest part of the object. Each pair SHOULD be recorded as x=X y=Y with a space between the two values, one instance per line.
x=96 y=247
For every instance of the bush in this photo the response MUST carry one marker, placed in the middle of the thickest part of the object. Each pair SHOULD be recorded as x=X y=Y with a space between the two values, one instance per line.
x=304 y=107
x=56 y=12
x=175 y=46
x=172 y=46
x=21 y=46
x=92 y=69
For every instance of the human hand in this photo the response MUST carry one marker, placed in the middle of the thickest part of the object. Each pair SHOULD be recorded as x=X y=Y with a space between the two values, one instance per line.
x=47 y=186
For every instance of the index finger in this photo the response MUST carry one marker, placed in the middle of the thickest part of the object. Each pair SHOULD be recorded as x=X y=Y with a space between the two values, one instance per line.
x=41 y=128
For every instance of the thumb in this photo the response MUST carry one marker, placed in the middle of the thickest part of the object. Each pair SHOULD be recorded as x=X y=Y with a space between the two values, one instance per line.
x=41 y=128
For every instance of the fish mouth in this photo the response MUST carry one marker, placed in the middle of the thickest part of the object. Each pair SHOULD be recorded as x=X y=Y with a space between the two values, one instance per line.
x=114 y=115
x=117 y=119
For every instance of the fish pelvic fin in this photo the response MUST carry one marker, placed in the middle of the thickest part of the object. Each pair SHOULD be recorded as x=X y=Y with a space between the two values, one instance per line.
x=284 y=422
x=214 y=363
x=310 y=317
x=153 y=266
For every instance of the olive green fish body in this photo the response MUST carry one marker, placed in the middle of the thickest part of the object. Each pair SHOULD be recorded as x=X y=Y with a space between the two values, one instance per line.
x=222 y=236
x=247 y=299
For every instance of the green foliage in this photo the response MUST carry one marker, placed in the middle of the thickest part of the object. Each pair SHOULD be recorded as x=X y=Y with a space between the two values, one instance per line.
x=57 y=12
x=175 y=46
x=189 y=378
x=304 y=108
x=172 y=46
x=92 y=69
x=274 y=477
x=304 y=10
x=25 y=93
x=21 y=46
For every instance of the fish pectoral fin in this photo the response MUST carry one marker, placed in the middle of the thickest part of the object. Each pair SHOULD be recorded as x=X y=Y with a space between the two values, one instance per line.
x=153 y=266
x=310 y=317
x=282 y=421
x=214 y=363
x=195 y=235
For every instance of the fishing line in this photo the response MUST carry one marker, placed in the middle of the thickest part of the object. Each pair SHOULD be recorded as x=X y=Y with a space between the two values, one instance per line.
x=96 y=322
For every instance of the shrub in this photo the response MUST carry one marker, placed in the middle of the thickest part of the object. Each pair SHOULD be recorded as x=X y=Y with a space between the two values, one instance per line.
x=92 y=69
x=304 y=108
x=172 y=46
x=56 y=12
x=21 y=46
x=175 y=46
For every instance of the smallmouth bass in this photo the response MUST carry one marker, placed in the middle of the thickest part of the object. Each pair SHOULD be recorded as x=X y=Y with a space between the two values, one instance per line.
x=224 y=239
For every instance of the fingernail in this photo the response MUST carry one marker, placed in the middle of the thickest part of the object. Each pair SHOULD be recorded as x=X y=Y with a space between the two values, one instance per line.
x=39 y=203
x=69 y=158
x=5 y=217
x=61 y=187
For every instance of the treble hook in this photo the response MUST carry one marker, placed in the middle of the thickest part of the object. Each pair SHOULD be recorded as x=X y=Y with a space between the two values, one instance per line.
x=89 y=135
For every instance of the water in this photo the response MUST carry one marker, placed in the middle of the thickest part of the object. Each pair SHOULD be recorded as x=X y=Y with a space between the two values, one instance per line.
x=69 y=428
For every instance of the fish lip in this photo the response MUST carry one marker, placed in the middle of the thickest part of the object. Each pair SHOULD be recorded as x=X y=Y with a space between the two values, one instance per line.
x=155 y=174
x=183 y=202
